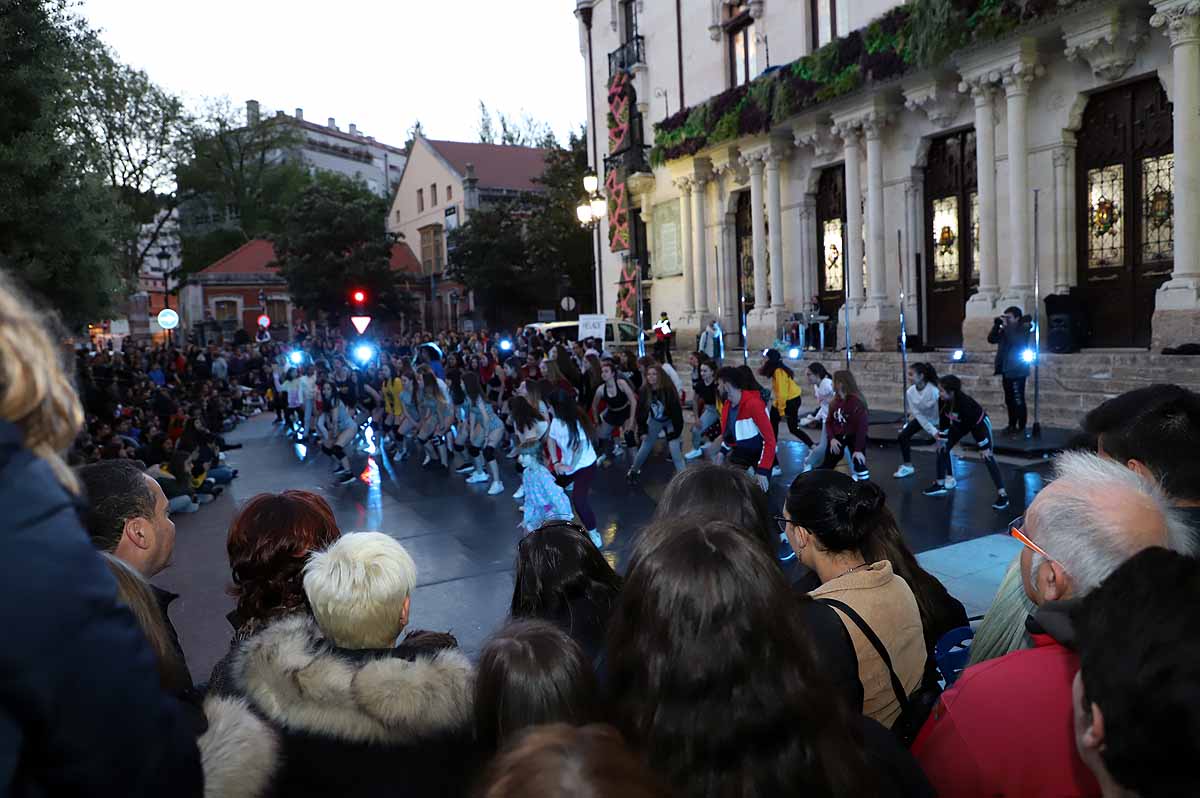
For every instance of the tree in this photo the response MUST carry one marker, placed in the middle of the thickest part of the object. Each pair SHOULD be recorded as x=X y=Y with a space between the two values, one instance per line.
x=413 y=132
x=487 y=131
x=561 y=251
x=58 y=220
x=488 y=255
x=334 y=240
x=526 y=132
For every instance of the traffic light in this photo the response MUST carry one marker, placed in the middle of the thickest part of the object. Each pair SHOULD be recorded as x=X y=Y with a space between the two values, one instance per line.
x=358 y=296
x=359 y=317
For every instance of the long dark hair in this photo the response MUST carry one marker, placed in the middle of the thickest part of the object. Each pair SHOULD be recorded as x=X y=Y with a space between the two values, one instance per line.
x=839 y=511
x=523 y=414
x=774 y=361
x=470 y=384
x=714 y=674
x=719 y=492
x=558 y=565
x=531 y=673
x=846 y=379
x=818 y=369
x=454 y=380
x=927 y=372
x=665 y=392
x=566 y=410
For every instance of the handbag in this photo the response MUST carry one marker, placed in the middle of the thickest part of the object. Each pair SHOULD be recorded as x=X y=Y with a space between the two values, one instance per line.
x=914 y=709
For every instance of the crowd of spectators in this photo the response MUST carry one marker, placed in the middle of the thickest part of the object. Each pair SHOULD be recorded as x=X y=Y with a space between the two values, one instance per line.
x=701 y=671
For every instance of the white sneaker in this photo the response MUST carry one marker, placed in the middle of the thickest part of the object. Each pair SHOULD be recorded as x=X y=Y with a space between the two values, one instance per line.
x=426 y=461
x=596 y=539
x=520 y=494
x=905 y=470
x=776 y=471
x=694 y=454
x=496 y=488
x=477 y=477
x=950 y=483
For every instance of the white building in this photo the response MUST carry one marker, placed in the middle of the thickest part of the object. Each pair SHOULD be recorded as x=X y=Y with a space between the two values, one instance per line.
x=921 y=179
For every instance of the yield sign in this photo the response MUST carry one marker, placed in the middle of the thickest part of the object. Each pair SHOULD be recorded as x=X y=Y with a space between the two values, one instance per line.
x=360 y=323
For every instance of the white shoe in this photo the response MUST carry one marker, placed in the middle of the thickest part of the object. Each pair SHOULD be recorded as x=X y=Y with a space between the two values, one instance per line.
x=426 y=461
x=570 y=487
x=477 y=477
x=694 y=454
x=512 y=455
x=496 y=488
x=776 y=471
x=596 y=539
x=905 y=470
x=520 y=494
x=950 y=483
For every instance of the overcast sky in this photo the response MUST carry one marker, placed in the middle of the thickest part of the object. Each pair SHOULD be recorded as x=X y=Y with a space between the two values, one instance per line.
x=380 y=64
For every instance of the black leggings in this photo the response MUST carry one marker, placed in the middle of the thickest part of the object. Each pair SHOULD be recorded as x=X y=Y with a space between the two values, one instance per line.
x=1014 y=402
x=982 y=433
x=910 y=431
x=831 y=459
x=792 y=413
x=580 y=496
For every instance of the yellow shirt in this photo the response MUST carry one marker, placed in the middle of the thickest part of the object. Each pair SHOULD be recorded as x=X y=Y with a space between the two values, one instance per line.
x=391 y=397
x=784 y=389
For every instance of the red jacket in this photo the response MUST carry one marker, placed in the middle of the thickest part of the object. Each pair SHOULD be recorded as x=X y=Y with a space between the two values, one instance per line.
x=752 y=430
x=1006 y=728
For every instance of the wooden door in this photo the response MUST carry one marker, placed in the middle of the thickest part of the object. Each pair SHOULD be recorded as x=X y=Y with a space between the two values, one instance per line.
x=951 y=235
x=1126 y=231
x=831 y=237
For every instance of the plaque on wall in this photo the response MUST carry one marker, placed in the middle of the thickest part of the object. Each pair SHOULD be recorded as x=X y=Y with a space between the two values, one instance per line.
x=668 y=260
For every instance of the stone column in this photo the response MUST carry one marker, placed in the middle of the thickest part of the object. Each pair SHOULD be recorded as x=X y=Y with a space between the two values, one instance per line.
x=985 y=175
x=1019 y=290
x=1064 y=215
x=809 y=245
x=852 y=266
x=1177 y=303
x=755 y=163
x=700 y=247
x=685 y=241
x=876 y=243
x=775 y=229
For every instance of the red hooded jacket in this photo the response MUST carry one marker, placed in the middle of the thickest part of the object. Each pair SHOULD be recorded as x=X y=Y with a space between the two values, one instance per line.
x=752 y=430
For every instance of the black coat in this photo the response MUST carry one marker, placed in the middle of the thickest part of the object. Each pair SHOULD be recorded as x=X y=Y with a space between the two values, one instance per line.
x=394 y=722
x=78 y=681
x=1012 y=340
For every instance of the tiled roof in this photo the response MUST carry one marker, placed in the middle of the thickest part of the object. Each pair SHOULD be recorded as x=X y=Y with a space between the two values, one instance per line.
x=250 y=258
x=404 y=260
x=496 y=165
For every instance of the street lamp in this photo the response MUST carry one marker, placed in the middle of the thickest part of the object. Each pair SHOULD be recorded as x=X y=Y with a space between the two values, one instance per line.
x=590 y=212
x=164 y=262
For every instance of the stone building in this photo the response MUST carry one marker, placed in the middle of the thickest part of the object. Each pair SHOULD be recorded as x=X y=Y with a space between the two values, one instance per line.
x=770 y=156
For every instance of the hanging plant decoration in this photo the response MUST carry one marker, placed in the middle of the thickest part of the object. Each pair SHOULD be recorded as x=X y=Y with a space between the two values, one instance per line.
x=620 y=100
x=1105 y=216
x=618 y=212
x=626 y=295
x=1161 y=207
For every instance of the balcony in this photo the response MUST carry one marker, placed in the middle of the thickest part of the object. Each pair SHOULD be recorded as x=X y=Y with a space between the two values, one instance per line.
x=624 y=57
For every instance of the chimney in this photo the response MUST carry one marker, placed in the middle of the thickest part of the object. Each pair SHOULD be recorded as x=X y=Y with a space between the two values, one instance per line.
x=332 y=123
x=300 y=114
x=470 y=189
x=353 y=129
x=251 y=112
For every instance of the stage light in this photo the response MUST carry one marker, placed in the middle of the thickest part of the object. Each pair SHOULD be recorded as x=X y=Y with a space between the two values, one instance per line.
x=957 y=355
x=363 y=353
x=296 y=357
x=505 y=345
x=794 y=352
x=1029 y=356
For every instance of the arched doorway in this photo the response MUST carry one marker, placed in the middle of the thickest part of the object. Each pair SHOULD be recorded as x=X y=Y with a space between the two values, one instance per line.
x=745 y=255
x=951 y=234
x=831 y=235
x=1125 y=194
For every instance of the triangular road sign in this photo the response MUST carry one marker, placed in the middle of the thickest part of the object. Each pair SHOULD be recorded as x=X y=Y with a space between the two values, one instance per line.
x=360 y=323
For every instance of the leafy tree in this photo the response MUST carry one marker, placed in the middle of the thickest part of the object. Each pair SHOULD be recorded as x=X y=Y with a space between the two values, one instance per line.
x=334 y=240
x=488 y=254
x=561 y=251
x=526 y=132
x=487 y=131
x=58 y=220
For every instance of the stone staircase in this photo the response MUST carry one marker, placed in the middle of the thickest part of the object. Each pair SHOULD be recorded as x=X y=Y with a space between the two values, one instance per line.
x=1070 y=385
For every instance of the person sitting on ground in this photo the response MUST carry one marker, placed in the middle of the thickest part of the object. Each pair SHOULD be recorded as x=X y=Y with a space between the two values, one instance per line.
x=563 y=761
x=1095 y=515
x=747 y=440
x=127 y=518
x=531 y=673
x=712 y=677
x=359 y=715
x=830 y=521
x=1137 y=720
x=564 y=579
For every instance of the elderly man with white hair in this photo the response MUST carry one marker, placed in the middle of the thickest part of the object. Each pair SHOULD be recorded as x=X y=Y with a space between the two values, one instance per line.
x=1005 y=727
x=358 y=715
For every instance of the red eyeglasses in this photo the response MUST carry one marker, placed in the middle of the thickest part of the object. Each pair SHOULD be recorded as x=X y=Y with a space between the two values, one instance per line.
x=1017 y=529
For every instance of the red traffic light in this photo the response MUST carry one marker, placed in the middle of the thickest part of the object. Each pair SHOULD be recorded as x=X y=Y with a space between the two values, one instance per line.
x=359 y=297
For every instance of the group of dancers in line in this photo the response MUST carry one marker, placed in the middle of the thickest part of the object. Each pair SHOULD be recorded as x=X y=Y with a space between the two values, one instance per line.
x=562 y=415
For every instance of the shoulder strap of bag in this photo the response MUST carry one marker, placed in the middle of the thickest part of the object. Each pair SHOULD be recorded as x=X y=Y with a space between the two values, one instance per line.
x=869 y=633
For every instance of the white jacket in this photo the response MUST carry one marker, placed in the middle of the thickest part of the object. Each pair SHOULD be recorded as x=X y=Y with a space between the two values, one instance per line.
x=923 y=406
x=824 y=394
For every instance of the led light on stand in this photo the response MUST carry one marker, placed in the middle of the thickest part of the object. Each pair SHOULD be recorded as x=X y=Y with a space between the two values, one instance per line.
x=1029 y=356
x=957 y=355
x=794 y=352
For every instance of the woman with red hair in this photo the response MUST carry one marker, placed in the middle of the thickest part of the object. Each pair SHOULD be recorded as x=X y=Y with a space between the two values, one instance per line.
x=269 y=542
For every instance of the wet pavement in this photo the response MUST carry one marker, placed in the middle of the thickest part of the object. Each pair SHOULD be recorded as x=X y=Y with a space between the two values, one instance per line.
x=464 y=541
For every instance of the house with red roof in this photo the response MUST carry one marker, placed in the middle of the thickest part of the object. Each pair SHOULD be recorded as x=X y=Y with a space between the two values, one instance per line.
x=442 y=183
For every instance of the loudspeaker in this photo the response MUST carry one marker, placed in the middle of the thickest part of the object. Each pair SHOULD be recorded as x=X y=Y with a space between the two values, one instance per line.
x=1064 y=324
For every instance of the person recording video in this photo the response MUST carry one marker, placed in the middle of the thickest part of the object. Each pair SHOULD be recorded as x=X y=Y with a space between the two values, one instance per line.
x=1011 y=332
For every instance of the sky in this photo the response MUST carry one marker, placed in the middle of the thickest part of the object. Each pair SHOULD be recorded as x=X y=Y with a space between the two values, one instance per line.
x=381 y=65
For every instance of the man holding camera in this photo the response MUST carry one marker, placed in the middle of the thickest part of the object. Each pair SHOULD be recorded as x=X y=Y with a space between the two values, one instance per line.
x=1011 y=334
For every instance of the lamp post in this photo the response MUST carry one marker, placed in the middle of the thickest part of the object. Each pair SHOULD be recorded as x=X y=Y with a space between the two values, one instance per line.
x=590 y=211
x=164 y=262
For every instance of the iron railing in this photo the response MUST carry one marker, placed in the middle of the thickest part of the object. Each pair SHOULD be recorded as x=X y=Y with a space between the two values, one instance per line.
x=630 y=53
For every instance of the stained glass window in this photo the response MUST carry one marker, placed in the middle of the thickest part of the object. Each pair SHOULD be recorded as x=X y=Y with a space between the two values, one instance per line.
x=832 y=248
x=1106 y=222
x=945 y=239
x=974 y=200
x=1158 y=208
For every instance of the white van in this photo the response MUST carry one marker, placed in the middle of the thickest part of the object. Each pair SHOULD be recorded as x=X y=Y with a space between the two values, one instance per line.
x=618 y=333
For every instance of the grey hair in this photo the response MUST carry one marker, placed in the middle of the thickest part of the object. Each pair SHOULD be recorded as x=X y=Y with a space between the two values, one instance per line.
x=1081 y=536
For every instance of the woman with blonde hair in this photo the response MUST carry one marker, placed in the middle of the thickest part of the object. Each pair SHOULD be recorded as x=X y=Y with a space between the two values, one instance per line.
x=82 y=660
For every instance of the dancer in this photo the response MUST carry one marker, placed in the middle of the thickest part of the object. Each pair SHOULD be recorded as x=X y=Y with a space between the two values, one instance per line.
x=337 y=431
x=659 y=413
x=544 y=500
x=846 y=426
x=747 y=440
x=620 y=410
x=571 y=434
x=409 y=407
x=961 y=414
x=823 y=392
x=786 y=395
x=704 y=405
x=486 y=431
x=436 y=418
x=529 y=429
x=922 y=398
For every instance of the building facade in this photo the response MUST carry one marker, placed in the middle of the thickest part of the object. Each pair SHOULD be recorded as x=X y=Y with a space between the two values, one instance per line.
x=768 y=158
x=441 y=184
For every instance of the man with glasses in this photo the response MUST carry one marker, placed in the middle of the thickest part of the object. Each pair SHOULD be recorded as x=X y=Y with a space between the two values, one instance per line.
x=1004 y=728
